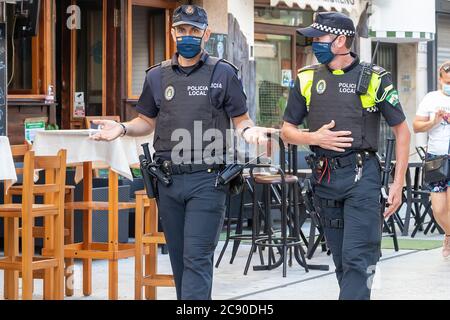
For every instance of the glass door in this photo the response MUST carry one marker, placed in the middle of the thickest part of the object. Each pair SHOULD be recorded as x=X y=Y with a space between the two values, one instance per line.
x=88 y=100
x=274 y=75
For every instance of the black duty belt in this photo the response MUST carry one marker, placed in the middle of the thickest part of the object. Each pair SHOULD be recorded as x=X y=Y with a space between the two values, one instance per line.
x=177 y=169
x=350 y=160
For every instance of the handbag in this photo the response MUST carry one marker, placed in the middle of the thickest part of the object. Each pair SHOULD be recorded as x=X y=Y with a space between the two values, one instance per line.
x=436 y=169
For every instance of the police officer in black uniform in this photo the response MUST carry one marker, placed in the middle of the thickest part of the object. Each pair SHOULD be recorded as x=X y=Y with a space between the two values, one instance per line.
x=344 y=130
x=188 y=102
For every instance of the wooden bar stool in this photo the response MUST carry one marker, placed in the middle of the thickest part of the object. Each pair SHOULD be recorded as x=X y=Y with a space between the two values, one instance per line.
x=147 y=240
x=18 y=152
x=53 y=212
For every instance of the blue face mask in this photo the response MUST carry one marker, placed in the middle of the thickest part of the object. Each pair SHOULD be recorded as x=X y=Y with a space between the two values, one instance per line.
x=446 y=89
x=189 y=46
x=322 y=51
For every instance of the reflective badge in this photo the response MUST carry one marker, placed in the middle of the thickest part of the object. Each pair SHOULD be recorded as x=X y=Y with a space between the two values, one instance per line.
x=189 y=10
x=393 y=98
x=321 y=86
x=169 y=93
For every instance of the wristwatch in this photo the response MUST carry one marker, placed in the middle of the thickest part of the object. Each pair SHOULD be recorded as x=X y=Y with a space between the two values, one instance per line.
x=243 y=131
x=124 y=129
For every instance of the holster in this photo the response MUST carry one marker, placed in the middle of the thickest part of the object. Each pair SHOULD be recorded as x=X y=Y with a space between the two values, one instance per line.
x=150 y=183
x=237 y=184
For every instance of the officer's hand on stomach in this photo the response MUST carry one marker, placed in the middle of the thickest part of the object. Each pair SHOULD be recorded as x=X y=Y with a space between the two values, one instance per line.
x=109 y=130
x=332 y=140
x=257 y=135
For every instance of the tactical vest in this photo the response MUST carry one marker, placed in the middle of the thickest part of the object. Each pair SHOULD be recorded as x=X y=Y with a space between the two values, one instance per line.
x=332 y=96
x=186 y=100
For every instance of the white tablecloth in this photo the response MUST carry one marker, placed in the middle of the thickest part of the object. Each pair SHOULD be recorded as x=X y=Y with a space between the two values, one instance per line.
x=7 y=169
x=119 y=154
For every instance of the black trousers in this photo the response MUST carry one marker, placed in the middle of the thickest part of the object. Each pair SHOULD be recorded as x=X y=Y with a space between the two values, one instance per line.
x=192 y=211
x=356 y=247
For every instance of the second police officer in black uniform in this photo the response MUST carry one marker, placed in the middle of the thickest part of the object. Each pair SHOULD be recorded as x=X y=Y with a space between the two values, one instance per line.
x=188 y=102
x=344 y=132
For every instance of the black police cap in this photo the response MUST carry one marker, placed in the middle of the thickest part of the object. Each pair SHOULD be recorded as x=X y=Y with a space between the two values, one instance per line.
x=329 y=23
x=190 y=14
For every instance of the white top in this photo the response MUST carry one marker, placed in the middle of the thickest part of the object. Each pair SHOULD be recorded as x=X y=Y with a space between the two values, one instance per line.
x=7 y=169
x=119 y=154
x=439 y=136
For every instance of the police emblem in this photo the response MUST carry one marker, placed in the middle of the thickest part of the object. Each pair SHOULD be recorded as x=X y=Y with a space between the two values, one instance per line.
x=169 y=93
x=321 y=86
x=189 y=10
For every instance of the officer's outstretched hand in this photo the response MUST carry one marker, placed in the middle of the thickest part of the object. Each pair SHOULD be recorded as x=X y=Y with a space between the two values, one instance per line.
x=109 y=130
x=332 y=140
x=257 y=135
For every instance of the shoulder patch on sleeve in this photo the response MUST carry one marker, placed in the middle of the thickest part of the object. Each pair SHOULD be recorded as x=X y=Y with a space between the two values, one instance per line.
x=311 y=67
x=152 y=67
x=393 y=98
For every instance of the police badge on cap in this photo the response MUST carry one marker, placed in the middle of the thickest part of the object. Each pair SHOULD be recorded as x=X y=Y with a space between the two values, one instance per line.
x=189 y=10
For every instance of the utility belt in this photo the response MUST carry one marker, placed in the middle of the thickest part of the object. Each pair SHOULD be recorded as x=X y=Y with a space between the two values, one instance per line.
x=323 y=166
x=171 y=169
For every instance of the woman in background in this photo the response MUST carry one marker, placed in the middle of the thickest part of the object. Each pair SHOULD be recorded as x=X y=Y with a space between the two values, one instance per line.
x=433 y=117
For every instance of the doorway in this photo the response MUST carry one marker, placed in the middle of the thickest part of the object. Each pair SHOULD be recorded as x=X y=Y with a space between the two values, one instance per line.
x=80 y=54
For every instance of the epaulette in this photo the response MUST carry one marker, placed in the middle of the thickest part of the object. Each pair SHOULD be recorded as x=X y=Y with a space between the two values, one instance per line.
x=152 y=67
x=229 y=63
x=379 y=70
x=311 y=67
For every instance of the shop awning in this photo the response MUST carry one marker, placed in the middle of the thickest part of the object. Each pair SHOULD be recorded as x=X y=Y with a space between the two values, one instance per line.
x=328 y=5
x=403 y=21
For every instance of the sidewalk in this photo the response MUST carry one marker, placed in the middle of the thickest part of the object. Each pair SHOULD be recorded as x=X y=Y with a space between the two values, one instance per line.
x=407 y=274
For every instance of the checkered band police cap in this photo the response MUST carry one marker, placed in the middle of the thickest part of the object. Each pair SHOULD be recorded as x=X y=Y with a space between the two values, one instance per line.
x=332 y=30
x=329 y=23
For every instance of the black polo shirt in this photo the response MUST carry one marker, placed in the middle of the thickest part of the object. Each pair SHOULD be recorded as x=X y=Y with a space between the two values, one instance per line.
x=227 y=92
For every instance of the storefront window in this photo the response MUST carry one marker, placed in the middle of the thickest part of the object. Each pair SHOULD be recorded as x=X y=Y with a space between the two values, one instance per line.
x=20 y=62
x=279 y=51
x=149 y=42
x=293 y=18
x=273 y=54
x=89 y=79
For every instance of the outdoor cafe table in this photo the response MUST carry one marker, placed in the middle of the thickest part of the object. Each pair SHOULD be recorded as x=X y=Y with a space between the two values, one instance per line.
x=119 y=155
x=7 y=169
